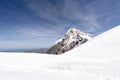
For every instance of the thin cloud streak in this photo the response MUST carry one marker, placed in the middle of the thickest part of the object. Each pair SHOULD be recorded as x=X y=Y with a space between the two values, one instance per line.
x=36 y=33
x=48 y=20
x=70 y=10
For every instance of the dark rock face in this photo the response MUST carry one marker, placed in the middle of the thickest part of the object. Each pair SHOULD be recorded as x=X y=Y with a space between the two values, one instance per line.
x=71 y=39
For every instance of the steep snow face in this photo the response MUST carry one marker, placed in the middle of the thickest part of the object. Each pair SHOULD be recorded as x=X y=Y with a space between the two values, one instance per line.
x=71 y=39
x=106 y=45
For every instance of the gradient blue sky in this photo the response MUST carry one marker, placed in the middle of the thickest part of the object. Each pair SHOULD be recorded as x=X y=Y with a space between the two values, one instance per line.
x=39 y=23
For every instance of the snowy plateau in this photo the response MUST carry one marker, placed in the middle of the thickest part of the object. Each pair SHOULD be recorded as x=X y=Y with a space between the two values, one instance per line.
x=97 y=59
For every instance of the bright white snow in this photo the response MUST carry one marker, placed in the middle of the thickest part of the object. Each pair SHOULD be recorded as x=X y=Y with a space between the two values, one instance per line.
x=98 y=59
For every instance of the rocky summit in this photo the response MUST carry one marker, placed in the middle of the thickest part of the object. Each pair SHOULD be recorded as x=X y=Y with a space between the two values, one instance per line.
x=71 y=39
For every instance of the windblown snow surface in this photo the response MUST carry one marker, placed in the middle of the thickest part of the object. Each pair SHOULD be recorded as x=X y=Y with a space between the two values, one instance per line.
x=98 y=59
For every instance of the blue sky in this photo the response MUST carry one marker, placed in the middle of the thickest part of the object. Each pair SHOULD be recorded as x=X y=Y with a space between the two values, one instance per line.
x=39 y=23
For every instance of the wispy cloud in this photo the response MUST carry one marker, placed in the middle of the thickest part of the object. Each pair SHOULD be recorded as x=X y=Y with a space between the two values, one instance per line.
x=33 y=32
x=43 y=9
x=47 y=20
x=81 y=13
x=70 y=10
x=62 y=15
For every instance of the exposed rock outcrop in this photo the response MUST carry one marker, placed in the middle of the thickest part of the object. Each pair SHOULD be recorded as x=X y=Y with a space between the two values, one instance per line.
x=71 y=39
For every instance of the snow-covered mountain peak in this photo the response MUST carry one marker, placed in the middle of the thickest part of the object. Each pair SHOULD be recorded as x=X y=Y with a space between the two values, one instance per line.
x=72 y=30
x=75 y=33
x=71 y=39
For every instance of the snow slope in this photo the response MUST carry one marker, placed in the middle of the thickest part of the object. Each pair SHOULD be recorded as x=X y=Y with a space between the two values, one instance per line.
x=98 y=59
x=106 y=45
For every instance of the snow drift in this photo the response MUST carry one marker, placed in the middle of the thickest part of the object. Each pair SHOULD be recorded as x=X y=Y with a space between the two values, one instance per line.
x=98 y=59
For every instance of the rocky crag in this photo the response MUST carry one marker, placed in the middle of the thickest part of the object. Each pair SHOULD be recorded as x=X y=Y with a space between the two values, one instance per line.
x=71 y=39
